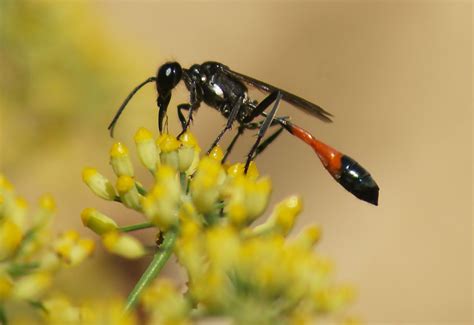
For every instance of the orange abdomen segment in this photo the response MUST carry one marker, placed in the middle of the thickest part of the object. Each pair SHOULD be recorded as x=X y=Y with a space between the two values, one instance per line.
x=330 y=157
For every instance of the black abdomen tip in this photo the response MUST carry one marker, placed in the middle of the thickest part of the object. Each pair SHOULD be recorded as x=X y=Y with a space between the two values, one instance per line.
x=358 y=181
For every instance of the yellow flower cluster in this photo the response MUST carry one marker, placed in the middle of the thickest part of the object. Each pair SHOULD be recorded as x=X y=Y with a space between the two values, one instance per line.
x=170 y=160
x=59 y=310
x=29 y=253
x=205 y=209
x=255 y=275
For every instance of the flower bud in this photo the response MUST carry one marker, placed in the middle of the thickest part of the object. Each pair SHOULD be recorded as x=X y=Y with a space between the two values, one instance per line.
x=206 y=184
x=286 y=212
x=123 y=245
x=61 y=311
x=188 y=153
x=72 y=249
x=222 y=245
x=216 y=153
x=165 y=303
x=97 y=222
x=307 y=238
x=128 y=192
x=257 y=196
x=169 y=150
x=47 y=210
x=10 y=238
x=238 y=169
x=331 y=299
x=5 y=184
x=161 y=205
x=32 y=286
x=120 y=160
x=16 y=212
x=246 y=199
x=98 y=184
x=147 y=150
x=6 y=286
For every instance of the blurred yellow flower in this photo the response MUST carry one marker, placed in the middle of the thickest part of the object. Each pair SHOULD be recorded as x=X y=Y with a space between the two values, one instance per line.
x=30 y=254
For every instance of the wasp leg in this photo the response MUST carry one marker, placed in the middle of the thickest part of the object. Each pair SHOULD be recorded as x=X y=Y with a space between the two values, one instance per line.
x=262 y=106
x=195 y=102
x=268 y=141
x=182 y=119
x=240 y=131
x=124 y=104
x=266 y=124
x=253 y=126
x=230 y=120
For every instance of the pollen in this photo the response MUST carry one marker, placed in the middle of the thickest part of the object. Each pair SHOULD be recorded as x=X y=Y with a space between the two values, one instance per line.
x=118 y=150
x=217 y=153
x=188 y=139
x=125 y=184
x=143 y=135
x=167 y=143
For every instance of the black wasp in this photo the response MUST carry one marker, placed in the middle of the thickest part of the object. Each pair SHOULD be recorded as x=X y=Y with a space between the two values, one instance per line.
x=226 y=90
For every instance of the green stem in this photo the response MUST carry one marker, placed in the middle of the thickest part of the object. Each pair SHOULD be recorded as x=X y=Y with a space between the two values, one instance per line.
x=138 y=226
x=3 y=316
x=183 y=179
x=158 y=262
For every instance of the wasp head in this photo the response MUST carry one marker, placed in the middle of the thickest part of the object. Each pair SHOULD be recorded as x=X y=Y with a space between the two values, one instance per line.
x=167 y=77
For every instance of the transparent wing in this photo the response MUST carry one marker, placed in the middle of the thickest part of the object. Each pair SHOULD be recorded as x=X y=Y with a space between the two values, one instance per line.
x=294 y=100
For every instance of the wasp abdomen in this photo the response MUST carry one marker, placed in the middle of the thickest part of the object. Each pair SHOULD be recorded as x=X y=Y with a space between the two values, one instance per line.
x=354 y=178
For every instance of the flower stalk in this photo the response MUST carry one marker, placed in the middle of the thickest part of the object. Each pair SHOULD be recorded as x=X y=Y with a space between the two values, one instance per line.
x=138 y=226
x=156 y=265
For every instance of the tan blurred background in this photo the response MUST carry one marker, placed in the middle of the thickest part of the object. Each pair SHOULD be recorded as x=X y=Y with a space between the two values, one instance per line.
x=397 y=76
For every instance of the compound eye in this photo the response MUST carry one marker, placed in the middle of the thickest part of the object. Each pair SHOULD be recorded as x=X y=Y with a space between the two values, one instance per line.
x=167 y=77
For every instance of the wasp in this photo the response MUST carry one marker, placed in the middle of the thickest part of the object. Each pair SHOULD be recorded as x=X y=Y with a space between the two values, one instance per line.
x=226 y=90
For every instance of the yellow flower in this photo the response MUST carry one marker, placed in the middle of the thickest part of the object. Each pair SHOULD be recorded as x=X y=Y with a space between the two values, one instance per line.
x=333 y=298
x=46 y=212
x=148 y=152
x=6 y=286
x=239 y=170
x=10 y=238
x=245 y=198
x=123 y=245
x=128 y=192
x=206 y=184
x=307 y=238
x=190 y=248
x=216 y=154
x=61 y=311
x=222 y=246
x=120 y=160
x=188 y=153
x=161 y=205
x=98 y=184
x=16 y=212
x=31 y=287
x=72 y=249
x=106 y=312
x=166 y=304
x=97 y=222
x=169 y=146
